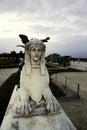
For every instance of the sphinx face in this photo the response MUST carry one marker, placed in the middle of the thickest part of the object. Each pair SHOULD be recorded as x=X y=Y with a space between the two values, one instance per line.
x=36 y=53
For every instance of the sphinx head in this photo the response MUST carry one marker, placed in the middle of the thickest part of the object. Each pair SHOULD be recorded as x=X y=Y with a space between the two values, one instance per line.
x=34 y=53
x=36 y=50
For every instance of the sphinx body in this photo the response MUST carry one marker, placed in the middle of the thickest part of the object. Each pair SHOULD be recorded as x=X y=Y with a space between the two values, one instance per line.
x=34 y=80
x=34 y=84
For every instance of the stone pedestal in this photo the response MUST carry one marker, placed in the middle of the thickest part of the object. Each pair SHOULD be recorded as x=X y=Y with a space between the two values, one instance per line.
x=58 y=121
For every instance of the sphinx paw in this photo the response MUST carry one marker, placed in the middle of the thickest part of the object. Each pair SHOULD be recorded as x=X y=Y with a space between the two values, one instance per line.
x=52 y=104
x=22 y=108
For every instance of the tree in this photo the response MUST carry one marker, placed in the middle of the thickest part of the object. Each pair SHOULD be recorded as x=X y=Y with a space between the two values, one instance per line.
x=53 y=58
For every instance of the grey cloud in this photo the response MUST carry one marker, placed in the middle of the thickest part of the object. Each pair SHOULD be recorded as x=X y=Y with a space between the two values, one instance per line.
x=41 y=6
x=48 y=10
x=79 y=8
x=43 y=28
x=60 y=19
x=75 y=46
x=9 y=5
x=79 y=39
x=20 y=6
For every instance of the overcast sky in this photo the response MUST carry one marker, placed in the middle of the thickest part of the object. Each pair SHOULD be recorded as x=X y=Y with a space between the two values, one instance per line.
x=64 y=21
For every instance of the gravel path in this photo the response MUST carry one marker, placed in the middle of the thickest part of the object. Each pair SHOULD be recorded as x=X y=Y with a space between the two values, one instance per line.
x=76 y=109
x=5 y=73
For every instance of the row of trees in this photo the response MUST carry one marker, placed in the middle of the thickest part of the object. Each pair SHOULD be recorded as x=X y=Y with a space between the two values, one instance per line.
x=12 y=59
x=12 y=55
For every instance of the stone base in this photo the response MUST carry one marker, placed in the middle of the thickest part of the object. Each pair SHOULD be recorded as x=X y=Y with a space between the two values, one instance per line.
x=58 y=121
x=38 y=109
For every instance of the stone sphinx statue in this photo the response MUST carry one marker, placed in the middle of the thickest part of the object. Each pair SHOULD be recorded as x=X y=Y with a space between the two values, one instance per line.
x=34 y=97
x=34 y=80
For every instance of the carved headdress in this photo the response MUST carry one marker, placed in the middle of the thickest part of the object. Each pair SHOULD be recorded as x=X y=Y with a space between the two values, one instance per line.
x=28 y=44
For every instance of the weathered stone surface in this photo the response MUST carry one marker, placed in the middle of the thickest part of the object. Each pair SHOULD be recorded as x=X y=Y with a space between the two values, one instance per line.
x=34 y=80
x=51 y=122
x=58 y=121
